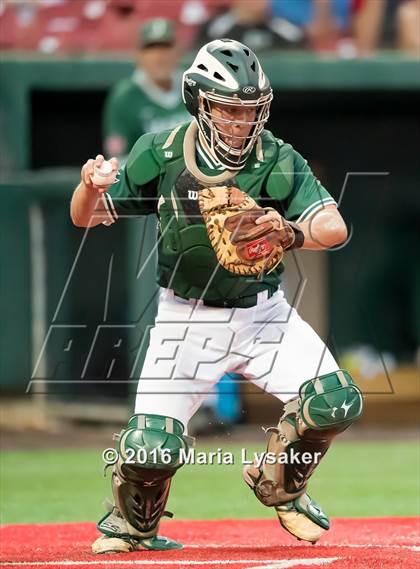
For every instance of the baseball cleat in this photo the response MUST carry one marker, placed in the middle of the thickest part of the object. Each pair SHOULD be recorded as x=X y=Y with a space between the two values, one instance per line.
x=118 y=536
x=303 y=518
x=159 y=543
x=105 y=544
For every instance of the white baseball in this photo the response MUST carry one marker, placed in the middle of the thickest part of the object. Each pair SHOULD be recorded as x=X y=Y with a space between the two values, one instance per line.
x=104 y=175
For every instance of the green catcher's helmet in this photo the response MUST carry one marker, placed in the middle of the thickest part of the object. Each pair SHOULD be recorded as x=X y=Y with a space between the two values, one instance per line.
x=226 y=73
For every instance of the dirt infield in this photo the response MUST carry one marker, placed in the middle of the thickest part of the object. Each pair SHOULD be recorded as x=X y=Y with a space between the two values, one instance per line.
x=238 y=544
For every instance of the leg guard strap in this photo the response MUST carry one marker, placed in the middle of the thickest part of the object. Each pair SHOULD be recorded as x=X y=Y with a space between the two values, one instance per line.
x=326 y=406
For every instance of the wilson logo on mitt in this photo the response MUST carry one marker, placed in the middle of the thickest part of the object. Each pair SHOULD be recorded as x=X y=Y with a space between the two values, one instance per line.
x=241 y=246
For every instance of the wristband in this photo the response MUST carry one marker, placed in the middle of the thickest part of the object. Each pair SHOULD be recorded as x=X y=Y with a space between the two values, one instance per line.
x=299 y=235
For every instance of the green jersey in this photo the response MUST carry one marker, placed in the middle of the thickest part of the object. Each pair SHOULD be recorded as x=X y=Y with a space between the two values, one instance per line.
x=136 y=106
x=159 y=179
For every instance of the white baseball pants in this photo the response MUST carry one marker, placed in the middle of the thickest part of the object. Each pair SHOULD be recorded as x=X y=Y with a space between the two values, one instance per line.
x=192 y=346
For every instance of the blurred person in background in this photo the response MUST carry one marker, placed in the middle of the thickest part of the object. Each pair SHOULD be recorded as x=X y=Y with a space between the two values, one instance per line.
x=408 y=26
x=253 y=24
x=368 y=17
x=386 y=24
x=325 y=22
x=150 y=100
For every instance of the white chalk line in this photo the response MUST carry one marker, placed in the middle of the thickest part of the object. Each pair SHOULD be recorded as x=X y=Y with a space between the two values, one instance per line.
x=338 y=545
x=262 y=563
x=293 y=562
x=266 y=563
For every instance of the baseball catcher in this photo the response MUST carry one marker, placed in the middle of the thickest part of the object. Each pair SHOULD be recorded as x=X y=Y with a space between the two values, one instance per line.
x=232 y=202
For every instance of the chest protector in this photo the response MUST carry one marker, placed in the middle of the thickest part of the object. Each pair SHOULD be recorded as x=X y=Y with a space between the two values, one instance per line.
x=187 y=261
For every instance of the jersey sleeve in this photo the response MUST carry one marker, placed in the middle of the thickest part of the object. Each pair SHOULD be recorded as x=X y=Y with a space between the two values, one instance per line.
x=308 y=195
x=136 y=191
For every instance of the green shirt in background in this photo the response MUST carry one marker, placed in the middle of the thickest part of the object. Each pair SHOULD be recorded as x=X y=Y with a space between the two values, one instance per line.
x=136 y=106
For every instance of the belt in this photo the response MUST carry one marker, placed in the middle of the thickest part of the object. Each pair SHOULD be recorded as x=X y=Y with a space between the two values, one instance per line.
x=242 y=302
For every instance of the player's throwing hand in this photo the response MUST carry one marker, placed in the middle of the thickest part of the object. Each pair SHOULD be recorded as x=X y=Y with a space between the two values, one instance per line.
x=87 y=207
x=99 y=173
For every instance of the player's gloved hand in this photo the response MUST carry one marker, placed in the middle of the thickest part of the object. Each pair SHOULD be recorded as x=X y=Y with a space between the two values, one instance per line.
x=88 y=171
x=292 y=236
x=242 y=244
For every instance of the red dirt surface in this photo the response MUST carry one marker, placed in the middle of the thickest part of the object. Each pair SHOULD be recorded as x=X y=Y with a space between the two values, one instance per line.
x=388 y=543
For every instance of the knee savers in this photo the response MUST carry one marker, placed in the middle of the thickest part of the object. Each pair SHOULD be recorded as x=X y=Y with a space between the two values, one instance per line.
x=331 y=402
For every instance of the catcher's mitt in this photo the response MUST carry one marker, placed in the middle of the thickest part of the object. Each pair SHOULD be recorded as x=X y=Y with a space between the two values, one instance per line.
x=241 y=246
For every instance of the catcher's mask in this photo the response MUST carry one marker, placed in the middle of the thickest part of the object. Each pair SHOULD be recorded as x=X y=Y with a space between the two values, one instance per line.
x=228 y=74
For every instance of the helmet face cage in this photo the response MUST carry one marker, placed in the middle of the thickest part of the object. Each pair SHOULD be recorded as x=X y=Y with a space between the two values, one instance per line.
x=230 y=155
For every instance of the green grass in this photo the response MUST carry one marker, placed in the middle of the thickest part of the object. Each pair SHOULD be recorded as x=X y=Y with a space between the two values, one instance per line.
x=354 y=479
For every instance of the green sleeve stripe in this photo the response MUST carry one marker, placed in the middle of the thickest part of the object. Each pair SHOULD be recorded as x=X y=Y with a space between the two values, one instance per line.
x=110 y=209
x=316 y=206
x=111 y=219
x=111 y=203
